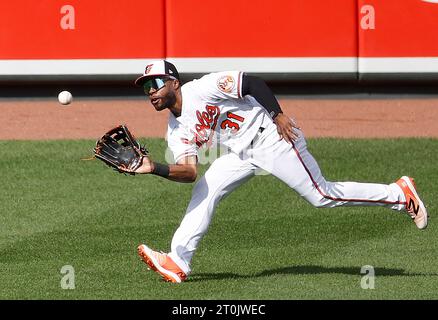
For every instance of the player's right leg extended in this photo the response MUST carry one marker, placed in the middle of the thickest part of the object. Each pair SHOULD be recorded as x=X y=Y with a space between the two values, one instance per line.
x=294 y=164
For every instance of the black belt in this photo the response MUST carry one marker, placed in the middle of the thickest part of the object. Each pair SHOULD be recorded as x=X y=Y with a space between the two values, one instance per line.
x=261 y=129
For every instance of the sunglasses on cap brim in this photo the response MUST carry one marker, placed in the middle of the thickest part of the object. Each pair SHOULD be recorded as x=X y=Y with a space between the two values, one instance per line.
x=155 y=83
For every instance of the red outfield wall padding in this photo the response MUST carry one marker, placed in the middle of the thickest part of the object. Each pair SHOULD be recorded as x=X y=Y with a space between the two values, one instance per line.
x=394 y=28
x=388 y=37
x=260 y=28
x=103 y=29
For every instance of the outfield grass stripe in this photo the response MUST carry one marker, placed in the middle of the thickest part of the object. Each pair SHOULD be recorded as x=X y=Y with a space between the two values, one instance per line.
x=58 y=210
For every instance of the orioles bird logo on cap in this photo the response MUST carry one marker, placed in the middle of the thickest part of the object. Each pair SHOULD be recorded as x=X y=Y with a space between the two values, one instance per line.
x=148 y=68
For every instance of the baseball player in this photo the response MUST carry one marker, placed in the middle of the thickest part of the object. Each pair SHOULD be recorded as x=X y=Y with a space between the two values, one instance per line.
x=240 y=112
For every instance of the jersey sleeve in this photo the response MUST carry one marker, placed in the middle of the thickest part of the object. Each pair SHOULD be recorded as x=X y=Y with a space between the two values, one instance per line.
x=222 y=85
x=180 y=143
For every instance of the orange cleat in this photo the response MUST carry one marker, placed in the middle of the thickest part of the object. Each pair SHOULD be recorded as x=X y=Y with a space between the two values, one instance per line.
x=162 y=264
x=414 y=205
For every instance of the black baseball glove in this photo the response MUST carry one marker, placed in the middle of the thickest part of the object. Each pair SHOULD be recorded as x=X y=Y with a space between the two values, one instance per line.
x=120 y=150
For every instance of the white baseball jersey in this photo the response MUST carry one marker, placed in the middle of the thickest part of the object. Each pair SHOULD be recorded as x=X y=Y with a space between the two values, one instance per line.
x=214 y=112
x=213 y=106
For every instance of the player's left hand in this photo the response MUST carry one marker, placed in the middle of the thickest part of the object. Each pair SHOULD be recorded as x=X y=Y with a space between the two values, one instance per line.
x=147 y=166
x=287 y=128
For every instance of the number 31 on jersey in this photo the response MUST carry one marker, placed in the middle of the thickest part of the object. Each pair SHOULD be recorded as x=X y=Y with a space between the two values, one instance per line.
x=233 y=122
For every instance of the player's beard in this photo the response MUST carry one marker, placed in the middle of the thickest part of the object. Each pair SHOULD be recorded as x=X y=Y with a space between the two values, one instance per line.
x=166 y=101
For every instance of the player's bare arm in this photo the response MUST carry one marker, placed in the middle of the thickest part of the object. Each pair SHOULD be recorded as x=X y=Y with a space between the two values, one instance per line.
x=185 y=170
x=256 y=87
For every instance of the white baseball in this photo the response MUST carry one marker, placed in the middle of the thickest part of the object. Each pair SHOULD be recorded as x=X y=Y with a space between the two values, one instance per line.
x=65 y=97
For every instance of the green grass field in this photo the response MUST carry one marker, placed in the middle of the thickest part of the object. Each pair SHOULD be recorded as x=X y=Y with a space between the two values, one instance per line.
x=58 y=210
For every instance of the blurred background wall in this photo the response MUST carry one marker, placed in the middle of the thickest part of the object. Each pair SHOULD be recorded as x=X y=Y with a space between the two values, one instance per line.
x=347 y=41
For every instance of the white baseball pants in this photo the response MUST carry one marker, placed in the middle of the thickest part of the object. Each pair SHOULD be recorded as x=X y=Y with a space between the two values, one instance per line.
x=292 y=164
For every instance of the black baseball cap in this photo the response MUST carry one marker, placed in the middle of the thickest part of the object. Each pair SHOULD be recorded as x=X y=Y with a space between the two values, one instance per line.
x=156 y=69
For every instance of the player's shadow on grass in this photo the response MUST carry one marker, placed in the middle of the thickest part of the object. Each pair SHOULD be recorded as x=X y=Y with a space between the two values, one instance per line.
x=302 y=270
